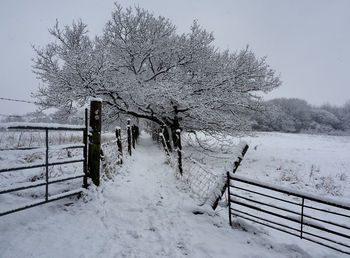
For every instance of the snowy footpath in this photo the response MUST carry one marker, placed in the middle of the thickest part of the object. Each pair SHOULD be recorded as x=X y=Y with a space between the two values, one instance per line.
x=143 y=211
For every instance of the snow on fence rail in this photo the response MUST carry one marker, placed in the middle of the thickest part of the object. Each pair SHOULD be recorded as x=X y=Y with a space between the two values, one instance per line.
x=23 y=186
x=296 y=213
x=41 y=126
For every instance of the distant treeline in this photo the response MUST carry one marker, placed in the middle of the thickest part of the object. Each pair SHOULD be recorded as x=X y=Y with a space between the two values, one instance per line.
x=297 y=116
x=281 y=115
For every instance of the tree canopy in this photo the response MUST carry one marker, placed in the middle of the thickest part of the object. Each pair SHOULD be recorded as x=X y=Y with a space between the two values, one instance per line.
x=142 y=67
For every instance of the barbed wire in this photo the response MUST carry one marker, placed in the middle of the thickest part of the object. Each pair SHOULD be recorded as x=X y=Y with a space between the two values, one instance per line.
x=19 y=100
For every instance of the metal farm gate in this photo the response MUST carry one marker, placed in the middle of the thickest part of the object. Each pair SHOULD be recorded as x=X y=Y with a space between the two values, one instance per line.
x=46 y=164
x=319 y=220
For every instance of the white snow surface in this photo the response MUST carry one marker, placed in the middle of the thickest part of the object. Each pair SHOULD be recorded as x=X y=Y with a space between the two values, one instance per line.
x=142 y=211
x=96 y=99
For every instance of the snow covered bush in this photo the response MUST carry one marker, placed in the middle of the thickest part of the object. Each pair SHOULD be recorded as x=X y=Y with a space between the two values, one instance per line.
x=297 y=116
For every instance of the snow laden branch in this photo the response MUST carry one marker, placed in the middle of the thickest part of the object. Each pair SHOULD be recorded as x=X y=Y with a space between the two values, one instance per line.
x=142 y=67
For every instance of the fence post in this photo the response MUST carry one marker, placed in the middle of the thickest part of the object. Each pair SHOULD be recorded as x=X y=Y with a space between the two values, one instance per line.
x=235 y=167
x=129 y=137
x=163 y=140
x=119 y=144
x=229 y=197
x=133 y=133
x=179 y=149
x=85 y=184
x=137 y=132
x=166 y=137
x=95 y=141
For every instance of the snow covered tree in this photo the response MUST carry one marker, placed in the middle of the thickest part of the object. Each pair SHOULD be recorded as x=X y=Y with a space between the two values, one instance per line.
x=142 y=67
x=71 y=68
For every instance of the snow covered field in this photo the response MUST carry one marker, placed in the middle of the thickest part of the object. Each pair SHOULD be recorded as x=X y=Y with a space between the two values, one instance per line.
x=311 y=163
x=144 y=211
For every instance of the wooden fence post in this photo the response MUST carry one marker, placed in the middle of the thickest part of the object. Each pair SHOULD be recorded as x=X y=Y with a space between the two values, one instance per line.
x=163 y=140
x=95 y=141
x=129 y=137
x=137 y=132
x=235 y=167
x=179 y=149
x=166 y=137
x=119 y=144
x=86 y=133
x=133 y=133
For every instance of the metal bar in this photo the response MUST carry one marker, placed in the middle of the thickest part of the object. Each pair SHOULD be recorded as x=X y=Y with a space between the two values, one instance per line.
x=62 y=179
x=328 y=222
x=20 y=148
x=65 y=146
x=272 y=197
x=85 y=150
x=267 y=220
x=47 y=164
x=290 y=233
x=289 y=192
x=65 y=162
x=65 y=194
x=267 y=225
x=265 y=204
x=229 y=199
x=266 y=211
x=22 y=208
x=329 y=246
x=39 y=183
x=23 y=167
x=60 y=128
x=331 y=212
x=55 y=147
x=327 y=230
x=302 y=215
x=52 y=198
x=327 y=239
x=292 y=219
x=41 y=165
x=302 y=218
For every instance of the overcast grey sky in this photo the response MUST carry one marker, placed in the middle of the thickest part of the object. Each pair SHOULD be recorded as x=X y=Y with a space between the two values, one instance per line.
x=306 y=41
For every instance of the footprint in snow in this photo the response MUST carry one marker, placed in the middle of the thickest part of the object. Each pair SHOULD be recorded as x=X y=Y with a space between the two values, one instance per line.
x=133 y=233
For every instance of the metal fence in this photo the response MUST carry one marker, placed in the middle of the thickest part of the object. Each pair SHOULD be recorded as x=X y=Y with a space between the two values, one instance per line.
x=319 y=220
x=46 y=164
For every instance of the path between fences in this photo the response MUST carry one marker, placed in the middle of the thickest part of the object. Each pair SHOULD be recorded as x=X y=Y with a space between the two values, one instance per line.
x=143 y=212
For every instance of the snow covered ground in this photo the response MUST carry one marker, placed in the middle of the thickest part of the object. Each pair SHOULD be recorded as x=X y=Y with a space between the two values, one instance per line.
x=144 y=211
x=310 y=163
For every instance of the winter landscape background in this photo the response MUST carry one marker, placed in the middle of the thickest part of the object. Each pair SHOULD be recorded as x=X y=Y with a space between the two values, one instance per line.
x=268 y=74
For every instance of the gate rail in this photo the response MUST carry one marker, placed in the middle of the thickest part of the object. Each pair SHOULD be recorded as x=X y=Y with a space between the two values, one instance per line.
x=47 y=164
x=312 y=218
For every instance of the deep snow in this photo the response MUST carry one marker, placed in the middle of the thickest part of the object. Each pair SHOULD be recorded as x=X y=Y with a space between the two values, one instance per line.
x=142 y=211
